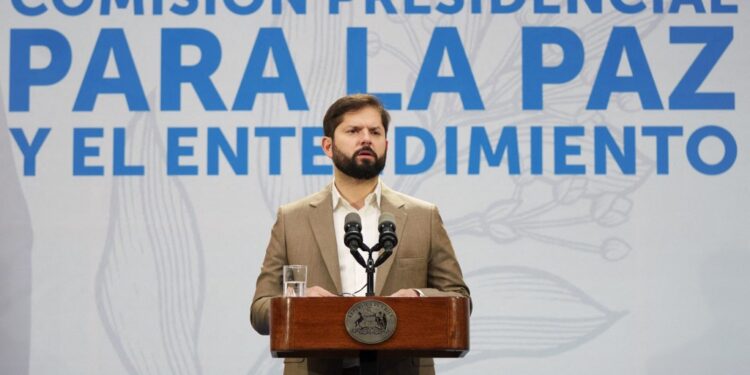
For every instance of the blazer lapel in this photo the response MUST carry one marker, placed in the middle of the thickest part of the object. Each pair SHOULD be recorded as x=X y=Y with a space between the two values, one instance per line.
x=321 y=222
x=390 y=202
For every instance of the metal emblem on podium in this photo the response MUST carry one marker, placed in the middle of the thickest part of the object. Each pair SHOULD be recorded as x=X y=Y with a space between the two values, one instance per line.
x=370 y=322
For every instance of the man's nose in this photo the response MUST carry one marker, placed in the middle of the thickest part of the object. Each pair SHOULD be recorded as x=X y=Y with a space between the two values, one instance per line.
x=366 y=138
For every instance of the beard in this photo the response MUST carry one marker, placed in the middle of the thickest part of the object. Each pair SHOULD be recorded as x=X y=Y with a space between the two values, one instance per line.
x=365 y=170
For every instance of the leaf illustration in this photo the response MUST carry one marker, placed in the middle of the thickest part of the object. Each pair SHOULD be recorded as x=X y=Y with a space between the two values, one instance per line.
x=528 y=312
x=614 y=249
x=611 y=209
x=150 y=284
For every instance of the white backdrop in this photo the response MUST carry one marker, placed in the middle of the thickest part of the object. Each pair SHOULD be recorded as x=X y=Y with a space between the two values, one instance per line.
x=153 y=274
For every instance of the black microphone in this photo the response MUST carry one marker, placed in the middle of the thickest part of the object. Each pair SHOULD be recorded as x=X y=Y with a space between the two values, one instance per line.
x=353 y=236
x=352 y=230
x=387 y=240
x=387 y=229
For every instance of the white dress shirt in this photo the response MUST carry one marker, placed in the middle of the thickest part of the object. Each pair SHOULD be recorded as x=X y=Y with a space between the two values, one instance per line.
x=353 y=275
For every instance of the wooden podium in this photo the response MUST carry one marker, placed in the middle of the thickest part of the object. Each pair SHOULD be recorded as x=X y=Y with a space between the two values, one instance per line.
x=314 y=327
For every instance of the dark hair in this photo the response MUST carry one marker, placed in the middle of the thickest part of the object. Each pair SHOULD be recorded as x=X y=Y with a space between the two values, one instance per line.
x=350 y=103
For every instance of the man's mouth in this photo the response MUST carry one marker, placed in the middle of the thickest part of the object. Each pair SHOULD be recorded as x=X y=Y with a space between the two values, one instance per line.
x=366 y=153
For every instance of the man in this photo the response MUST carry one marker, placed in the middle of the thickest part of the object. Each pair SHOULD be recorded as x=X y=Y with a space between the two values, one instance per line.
x=310 y=232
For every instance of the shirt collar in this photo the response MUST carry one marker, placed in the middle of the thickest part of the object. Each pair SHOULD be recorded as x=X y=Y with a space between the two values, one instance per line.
x=338 y=199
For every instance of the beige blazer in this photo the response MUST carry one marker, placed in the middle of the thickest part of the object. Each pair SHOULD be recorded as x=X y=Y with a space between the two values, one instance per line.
x=304 y=234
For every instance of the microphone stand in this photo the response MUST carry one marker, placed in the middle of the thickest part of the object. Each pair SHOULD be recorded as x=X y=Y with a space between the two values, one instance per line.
x=368 y=359
x=370 y=264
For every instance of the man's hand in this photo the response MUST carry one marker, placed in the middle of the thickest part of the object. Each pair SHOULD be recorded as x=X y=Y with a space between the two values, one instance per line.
x=317 y=291
x=405 y=293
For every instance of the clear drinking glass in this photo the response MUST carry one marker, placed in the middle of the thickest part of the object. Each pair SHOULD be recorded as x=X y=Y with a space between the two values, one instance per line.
x=295 y=280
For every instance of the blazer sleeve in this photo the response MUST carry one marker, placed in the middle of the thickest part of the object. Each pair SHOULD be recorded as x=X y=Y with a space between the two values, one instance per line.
x=444 y=277
x=269 y=282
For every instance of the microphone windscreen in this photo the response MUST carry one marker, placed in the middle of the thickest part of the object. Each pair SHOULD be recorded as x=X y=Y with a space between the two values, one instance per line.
x=352 y=217
x=387 y=217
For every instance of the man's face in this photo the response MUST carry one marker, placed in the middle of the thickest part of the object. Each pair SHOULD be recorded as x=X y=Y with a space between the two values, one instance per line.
x=358 y=148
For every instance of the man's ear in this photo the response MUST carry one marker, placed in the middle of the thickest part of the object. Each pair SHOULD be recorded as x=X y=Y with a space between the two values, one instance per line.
x=327 y=144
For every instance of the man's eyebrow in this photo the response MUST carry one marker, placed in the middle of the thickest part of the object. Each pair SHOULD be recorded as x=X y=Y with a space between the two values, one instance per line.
x=360 y=126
